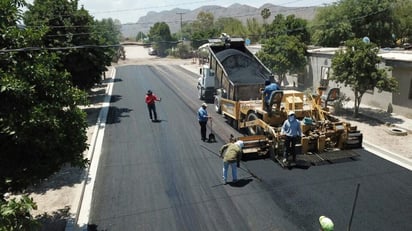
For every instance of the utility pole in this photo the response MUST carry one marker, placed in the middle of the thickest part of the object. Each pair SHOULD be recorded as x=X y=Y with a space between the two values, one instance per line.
x=181 y=34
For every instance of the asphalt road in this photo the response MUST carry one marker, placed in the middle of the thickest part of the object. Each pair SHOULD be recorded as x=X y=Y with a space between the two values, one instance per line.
x=161 y=176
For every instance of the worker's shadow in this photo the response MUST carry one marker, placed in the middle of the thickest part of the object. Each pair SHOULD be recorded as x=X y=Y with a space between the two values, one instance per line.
x=240 y=183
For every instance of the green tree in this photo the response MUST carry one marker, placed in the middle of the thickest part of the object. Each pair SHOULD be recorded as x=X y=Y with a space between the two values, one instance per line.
x=204 y=22
x=356 y=19
x=265 y=13
x=41 y=125
x=283 y=54
x=254 y=29
x=15 y=215
x=357 y=67
x=202 y=29
x=69 y=26
x=403 y=15
x=331 y=27
x=140 y=36
x=289 y=25
x=231 y=26
x=160 y=35
x=107 y=31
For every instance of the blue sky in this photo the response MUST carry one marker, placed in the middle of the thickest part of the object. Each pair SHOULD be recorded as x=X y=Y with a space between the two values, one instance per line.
x=129 y=11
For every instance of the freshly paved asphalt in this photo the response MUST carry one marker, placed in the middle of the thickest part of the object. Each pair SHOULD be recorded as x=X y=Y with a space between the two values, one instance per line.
x=161 y=176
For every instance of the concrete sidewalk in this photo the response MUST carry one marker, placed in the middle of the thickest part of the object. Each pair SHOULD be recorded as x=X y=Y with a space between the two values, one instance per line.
x=383 y=116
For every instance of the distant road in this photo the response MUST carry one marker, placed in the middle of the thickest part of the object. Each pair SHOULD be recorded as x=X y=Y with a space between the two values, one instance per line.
x=161 y=176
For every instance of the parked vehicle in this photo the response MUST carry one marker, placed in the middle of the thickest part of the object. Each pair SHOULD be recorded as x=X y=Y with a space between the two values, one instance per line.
x=152 y=51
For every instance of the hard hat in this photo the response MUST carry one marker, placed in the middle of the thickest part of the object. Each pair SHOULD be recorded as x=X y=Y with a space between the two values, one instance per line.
x=267 y=82
x=326 y=223
x=240 y=143
x=149 y=92
x=204 y=105
x=291 y=113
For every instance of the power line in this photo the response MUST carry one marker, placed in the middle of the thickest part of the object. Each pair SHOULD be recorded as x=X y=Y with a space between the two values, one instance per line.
x=107 y=46
x=25 y=49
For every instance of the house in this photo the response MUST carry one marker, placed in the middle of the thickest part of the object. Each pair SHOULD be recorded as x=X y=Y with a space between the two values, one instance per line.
x=400 y=61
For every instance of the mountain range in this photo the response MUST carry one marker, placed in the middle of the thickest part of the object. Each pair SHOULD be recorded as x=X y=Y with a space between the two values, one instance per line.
x=176 y=16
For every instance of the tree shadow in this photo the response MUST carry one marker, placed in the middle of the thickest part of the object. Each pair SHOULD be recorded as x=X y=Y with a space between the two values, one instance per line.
x=92 y=115
x=115 y=114
x=67 y=176
x=96 y=95
x=110 y=80
x=93 y=227
x=115 y=98
x=370 y=116
x=55 y=221
x=98 y=92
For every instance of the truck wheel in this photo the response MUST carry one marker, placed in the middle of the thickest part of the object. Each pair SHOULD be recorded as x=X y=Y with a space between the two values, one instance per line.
x=218 y=109
x=253 y=130
x=200 y=93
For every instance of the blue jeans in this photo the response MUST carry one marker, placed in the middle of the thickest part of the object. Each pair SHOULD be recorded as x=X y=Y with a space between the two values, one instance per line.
x=234 y=170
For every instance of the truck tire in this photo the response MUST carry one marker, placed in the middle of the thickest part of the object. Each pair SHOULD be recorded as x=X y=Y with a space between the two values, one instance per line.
x=200 y=93
x=396 y=131
x=218 y=109
x=253 y=130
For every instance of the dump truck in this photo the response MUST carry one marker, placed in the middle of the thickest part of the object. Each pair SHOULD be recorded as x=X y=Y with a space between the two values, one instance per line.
x=238 y=80
x=233 y=69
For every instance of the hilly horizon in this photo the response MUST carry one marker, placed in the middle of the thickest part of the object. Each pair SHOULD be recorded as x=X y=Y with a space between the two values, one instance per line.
x=240 y=11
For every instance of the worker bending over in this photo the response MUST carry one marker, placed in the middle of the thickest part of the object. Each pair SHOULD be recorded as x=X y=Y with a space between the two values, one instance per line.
x=232 y=154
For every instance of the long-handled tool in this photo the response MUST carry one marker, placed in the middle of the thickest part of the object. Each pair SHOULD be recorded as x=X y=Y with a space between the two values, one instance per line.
x=212 y=138
x=353 y=207
x=244 y=169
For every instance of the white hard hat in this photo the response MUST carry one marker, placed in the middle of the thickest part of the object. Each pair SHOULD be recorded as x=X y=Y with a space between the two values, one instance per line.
x=204 y=105
x=326 y=223
x=240 y=143
x=291 y=113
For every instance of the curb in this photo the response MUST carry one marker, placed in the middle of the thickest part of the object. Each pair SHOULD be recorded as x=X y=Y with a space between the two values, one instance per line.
x=388 y=155
x=81 y=209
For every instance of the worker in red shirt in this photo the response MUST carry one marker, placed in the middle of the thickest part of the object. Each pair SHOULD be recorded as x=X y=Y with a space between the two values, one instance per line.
x=151 y=106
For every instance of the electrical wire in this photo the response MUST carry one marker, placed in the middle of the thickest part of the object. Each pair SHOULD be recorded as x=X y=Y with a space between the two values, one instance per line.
x=188 y=21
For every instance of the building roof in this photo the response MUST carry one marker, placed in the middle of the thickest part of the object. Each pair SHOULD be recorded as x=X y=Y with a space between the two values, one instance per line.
x=387 y=54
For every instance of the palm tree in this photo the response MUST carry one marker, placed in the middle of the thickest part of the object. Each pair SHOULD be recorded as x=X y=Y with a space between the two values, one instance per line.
x=265 y=13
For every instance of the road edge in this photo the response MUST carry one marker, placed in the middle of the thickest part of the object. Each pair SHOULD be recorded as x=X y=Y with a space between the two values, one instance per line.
x=81 y=209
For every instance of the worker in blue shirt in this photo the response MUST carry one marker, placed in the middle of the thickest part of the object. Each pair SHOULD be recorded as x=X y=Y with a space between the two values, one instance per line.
x=292 y=132
x=203 y=117
x=269 y=88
